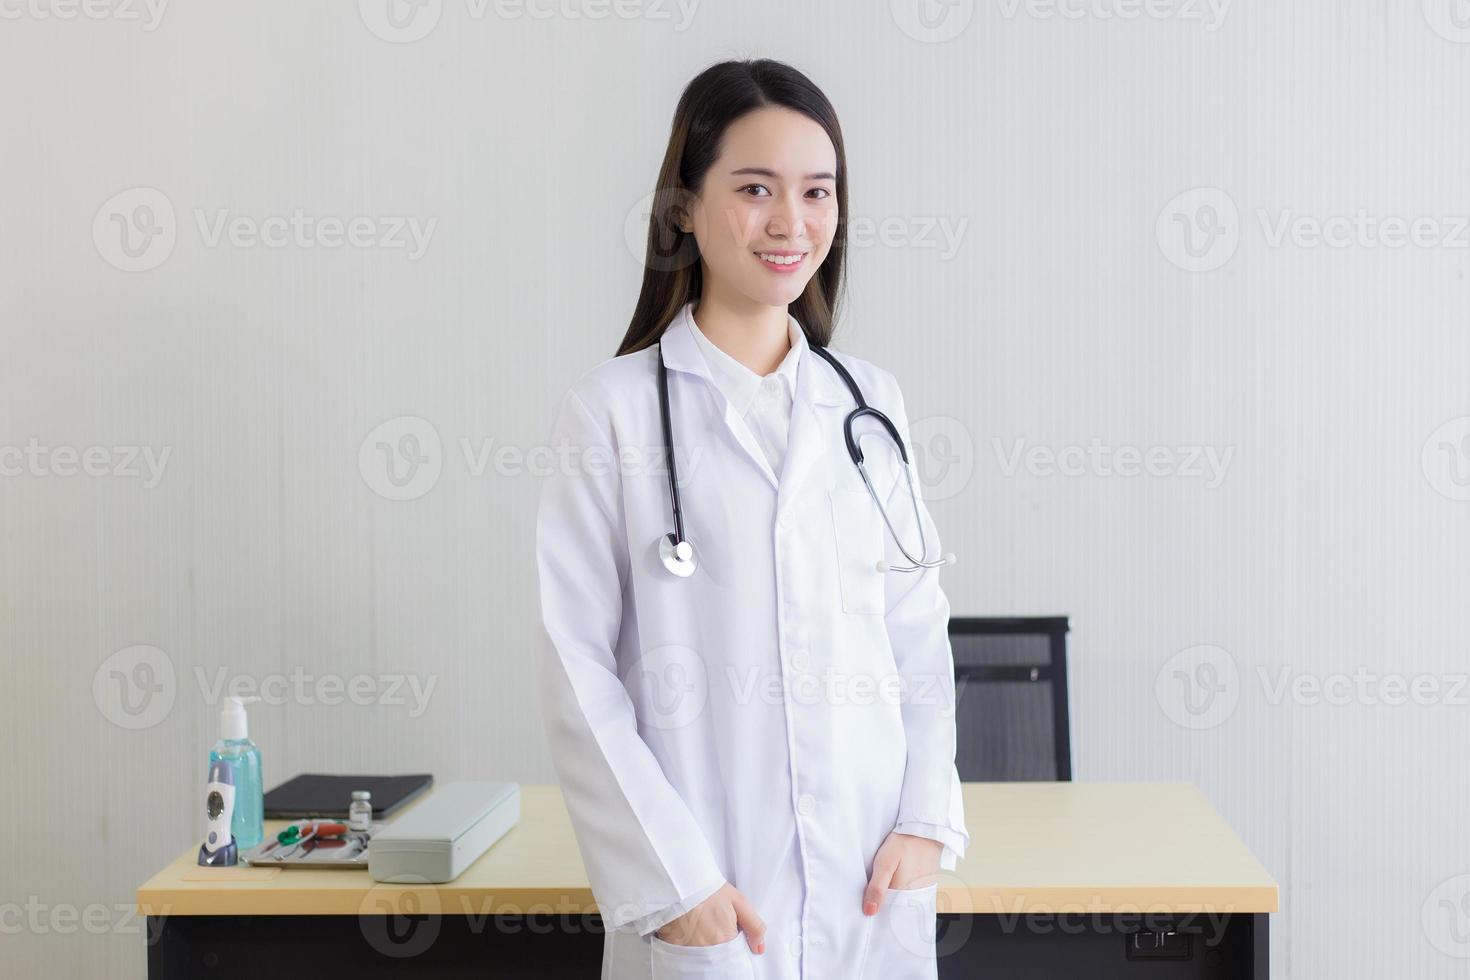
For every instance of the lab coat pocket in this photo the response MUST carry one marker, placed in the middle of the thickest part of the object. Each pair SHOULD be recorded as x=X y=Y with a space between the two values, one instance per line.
x=859 y=530
x=901 y=944
x=722 y=961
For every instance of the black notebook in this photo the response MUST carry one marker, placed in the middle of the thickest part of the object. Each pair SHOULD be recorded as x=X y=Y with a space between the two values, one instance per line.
x=313 y=795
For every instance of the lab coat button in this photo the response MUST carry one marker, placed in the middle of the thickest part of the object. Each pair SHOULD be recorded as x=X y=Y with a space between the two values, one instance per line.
x=785 y=520
x=800 y=660
x=805 y=804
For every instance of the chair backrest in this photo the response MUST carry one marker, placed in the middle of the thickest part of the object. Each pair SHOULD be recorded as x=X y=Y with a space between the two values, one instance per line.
x=1011 y=713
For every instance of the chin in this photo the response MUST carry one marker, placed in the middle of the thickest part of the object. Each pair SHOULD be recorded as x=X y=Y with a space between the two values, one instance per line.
x=779 y=294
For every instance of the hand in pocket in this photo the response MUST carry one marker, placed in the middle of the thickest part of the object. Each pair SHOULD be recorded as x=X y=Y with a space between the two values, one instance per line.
x=903 y=862
x=716 y=920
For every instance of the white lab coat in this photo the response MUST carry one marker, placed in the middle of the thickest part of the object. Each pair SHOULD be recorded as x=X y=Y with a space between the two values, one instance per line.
x=766 y=721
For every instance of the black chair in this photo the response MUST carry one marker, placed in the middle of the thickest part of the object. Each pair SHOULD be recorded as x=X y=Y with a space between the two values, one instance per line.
x=1011 y=713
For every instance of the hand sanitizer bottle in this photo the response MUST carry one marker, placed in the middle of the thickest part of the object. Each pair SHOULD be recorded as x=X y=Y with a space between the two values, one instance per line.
x=234 y=748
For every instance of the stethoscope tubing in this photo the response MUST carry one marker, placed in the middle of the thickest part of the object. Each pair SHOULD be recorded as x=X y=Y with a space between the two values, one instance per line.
x=678 y=556
x=663 y=411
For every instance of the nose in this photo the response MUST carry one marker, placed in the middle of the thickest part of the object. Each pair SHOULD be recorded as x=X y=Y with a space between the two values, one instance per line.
x=788 y=219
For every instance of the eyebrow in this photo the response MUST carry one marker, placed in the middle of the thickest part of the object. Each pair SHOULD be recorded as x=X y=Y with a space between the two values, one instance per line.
x=764 y=172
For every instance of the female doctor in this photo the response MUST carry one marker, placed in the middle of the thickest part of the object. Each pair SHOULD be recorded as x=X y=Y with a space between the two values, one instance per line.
x=750 y=693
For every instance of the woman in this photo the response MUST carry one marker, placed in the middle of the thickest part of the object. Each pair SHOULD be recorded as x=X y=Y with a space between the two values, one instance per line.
x=750 y=714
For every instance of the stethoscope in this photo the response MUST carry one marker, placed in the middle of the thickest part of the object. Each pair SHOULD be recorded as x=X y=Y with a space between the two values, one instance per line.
x=674 y=549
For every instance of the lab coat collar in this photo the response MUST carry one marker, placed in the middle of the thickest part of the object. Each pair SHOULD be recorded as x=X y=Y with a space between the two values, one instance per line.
x=815 y=382
x=739 y=383
x=817 y=389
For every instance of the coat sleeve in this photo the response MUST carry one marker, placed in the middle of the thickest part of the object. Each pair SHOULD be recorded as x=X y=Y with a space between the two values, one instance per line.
x=917 y=617
x=646 y=857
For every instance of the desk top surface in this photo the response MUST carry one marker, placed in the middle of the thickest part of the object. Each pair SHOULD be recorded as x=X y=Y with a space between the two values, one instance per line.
x=1034 y=848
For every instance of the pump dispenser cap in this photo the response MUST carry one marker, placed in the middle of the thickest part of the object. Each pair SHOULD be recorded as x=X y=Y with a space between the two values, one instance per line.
x=233 y=725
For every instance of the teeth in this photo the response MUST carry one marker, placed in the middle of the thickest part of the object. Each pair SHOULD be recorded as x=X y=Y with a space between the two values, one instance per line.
x=780 y=259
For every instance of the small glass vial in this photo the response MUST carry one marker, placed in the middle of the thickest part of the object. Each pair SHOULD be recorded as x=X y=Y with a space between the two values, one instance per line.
x=360 y=813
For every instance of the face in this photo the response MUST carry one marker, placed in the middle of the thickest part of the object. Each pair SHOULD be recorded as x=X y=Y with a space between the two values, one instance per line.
x=767 y=211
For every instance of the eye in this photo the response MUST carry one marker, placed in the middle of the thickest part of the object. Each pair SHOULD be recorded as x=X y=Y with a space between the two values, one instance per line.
x=757 y=187
x=822 y=191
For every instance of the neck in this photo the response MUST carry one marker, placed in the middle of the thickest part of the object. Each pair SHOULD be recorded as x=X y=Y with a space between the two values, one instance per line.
x=754 y=334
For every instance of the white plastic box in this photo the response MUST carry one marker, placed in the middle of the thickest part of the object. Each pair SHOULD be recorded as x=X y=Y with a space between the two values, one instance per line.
x=443 y=834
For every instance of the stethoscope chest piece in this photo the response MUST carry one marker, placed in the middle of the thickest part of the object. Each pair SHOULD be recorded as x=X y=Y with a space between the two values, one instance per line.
x=678 y=557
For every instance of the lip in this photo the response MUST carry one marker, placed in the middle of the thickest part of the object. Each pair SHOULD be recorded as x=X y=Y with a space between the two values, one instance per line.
x=781 y=269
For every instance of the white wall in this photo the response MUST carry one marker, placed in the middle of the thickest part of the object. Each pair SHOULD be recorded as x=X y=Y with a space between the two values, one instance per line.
x=1051 y=144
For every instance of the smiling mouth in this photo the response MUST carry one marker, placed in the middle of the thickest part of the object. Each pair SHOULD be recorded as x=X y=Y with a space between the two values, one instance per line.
x=781 y=261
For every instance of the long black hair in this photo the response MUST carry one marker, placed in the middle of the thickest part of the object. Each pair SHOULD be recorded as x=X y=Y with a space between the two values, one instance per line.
x=717 y=97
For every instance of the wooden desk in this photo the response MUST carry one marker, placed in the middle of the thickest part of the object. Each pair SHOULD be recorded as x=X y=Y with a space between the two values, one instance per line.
x=1059 y=876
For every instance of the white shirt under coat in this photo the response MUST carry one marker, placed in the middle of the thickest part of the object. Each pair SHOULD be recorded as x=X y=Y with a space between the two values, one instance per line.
x=763 y=402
